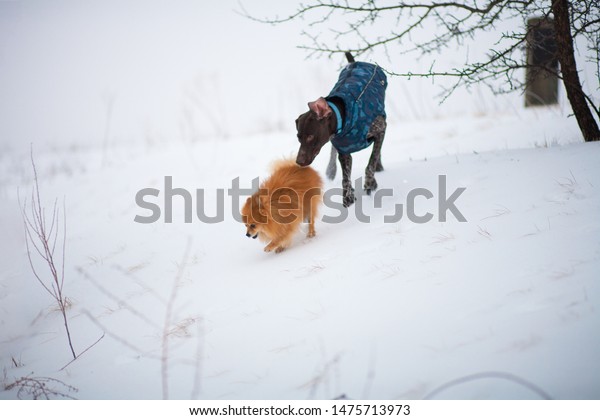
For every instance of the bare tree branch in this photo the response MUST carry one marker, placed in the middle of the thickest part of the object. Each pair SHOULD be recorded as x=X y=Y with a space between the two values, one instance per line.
x=429 y=27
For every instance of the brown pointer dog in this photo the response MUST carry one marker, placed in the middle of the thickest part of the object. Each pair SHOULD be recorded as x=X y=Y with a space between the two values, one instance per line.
x=351 y=117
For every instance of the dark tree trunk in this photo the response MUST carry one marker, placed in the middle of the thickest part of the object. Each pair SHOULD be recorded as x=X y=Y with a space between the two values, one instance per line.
x=568 y=68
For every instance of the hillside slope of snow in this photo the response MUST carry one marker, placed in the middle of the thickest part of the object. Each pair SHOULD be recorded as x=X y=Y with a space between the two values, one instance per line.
x=370 y=310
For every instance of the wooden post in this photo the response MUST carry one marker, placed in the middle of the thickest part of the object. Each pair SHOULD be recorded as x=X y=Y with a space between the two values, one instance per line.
x=542 y=62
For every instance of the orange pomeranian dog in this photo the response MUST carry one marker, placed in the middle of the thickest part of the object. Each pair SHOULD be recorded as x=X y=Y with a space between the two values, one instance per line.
x=291 y=195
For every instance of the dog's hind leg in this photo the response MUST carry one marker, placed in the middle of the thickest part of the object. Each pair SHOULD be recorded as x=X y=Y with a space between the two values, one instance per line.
x=376 y=131
x=312 y=215
x=311 y=227
x=346 y=164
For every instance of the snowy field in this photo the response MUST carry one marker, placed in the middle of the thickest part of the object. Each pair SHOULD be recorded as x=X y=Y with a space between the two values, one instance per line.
x=367 y=310
x=114 y=97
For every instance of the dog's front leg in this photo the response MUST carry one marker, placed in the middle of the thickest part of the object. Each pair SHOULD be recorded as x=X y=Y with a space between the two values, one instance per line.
x=346 y=164
x=274 y=246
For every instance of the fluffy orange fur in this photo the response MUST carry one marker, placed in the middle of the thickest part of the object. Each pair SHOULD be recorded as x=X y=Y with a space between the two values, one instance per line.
x=291 y=195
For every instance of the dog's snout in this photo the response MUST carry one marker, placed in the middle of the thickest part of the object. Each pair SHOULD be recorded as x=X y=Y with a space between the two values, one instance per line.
x=303 y=157
x=247 y=235
x=255 y=236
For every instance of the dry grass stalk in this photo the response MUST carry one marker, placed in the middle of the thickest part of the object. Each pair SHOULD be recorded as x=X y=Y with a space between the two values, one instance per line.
x=42 y=239
x=41 y=388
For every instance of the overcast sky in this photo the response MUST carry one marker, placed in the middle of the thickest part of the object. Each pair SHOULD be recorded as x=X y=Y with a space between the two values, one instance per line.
x=177 y=70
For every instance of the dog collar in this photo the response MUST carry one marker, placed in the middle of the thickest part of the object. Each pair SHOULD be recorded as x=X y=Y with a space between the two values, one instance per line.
x=337 y=115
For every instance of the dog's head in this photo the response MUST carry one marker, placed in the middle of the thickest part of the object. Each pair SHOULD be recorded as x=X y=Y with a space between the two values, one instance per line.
x=315 y=127
x=254 y=215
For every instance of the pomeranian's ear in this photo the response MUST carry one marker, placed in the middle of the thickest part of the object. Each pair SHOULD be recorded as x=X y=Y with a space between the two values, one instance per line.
x=320 y=107
x=261 y=200
x=264 y=202
x=246 y=206
x=259 y=207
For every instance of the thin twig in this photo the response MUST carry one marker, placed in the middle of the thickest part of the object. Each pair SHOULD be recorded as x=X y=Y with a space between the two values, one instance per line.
x=38 y=237
x=86 y=349
x=40 y=388
x=198 y=364
x=115 y=336
x=119 y=301
x=168 y=319
x=489 y=375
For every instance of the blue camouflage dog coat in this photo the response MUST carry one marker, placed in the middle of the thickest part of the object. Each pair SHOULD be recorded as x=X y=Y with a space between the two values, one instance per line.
x=362 y=88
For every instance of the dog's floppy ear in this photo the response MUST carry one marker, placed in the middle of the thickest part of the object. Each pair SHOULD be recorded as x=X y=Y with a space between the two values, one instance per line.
x=320 y=107
x=261 y=200
x=264 y=202
x=257 y=208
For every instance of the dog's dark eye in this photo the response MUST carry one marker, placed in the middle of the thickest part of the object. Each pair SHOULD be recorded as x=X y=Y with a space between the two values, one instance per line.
x=252 y=226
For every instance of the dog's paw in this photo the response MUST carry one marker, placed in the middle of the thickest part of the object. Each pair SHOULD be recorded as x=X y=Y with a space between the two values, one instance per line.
x=349 y=197
x=274 y=247
x=370 y=185
x=311 y=234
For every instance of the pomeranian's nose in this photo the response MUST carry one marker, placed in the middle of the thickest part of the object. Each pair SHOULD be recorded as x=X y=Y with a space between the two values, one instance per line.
x=247 y=235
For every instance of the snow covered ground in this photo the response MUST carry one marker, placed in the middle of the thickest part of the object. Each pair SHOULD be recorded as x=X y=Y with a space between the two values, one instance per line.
x=370 y=310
